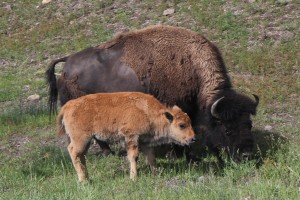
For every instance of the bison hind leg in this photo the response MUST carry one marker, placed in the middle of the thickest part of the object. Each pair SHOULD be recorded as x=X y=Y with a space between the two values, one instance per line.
x=77 y=151
x=150 y=158
x=106 y=150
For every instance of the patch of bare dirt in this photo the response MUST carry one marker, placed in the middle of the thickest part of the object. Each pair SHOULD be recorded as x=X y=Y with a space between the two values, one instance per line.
x=143 y=12
x=16 y=145
x=5 y=64
x=267 y=20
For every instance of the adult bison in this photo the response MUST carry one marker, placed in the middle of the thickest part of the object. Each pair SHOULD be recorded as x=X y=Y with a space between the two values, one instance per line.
x=177 y=66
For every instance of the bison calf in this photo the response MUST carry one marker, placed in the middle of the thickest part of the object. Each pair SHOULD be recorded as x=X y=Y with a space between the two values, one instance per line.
x=138 y=119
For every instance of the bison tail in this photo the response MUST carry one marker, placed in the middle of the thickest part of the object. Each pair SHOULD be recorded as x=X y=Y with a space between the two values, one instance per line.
x=51 y=80
x=60 y=126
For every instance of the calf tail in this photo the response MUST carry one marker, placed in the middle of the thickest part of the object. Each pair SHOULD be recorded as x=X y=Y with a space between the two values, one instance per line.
x=60 y=126
x=51 y=80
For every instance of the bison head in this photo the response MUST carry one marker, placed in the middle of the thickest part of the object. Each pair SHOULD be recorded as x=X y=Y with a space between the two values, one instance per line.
x=231 y=125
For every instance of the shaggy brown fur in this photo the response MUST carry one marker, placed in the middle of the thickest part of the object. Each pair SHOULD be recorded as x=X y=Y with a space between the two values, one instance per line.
x=69 y=88
x=172 y=53
x=138 y=118
x=177 y=66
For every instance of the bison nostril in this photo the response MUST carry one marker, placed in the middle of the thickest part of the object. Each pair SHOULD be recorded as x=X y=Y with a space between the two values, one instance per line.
x=193 y=140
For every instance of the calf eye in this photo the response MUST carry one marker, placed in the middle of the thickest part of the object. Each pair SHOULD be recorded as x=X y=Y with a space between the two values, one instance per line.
x=182 y=126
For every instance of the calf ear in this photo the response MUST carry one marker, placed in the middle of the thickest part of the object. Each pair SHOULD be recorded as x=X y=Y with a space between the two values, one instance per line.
x=176 y=108
x=169 y=116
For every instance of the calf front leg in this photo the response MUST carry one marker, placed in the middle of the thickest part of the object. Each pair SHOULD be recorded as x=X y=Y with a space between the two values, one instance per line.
x=132 y=154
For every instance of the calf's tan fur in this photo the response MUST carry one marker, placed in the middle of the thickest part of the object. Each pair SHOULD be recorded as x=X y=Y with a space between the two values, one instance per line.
x=139 y=119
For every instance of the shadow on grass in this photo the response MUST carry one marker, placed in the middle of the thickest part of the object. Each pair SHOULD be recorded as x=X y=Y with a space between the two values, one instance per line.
x=51 y=160
x=181 y=166
x=268 y=143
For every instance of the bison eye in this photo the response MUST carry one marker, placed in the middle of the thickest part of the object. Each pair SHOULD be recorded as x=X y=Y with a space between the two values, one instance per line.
x=182 y=126
x=228 y=132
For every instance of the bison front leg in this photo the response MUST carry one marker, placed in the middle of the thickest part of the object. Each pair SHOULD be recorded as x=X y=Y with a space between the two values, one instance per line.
x=150 y=158
x=132 y=154
x=105 y=148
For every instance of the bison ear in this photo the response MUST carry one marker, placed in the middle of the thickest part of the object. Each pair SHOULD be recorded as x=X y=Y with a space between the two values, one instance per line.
x=169 y=116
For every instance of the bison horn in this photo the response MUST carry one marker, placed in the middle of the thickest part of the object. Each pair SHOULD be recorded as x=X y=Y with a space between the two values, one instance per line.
x=213 y=108
x=256 y=99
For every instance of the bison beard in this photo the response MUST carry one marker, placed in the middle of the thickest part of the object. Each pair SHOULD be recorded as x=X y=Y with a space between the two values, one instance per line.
x=177 y=66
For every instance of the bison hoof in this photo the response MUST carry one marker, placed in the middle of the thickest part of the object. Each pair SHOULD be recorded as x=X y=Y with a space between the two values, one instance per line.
x=105 y=153
x=122 y=153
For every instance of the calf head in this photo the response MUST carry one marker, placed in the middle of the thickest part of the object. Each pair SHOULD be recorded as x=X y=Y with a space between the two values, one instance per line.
x=180 y=129
x=231 y=121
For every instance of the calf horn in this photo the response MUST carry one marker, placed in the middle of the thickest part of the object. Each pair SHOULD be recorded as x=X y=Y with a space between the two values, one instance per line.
x=213 y=108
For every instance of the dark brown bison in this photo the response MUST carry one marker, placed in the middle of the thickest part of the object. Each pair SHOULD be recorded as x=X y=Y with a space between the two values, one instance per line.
x=177 y=66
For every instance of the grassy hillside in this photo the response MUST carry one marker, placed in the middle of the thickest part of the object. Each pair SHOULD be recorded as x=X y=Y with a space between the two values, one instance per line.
x=260 y=44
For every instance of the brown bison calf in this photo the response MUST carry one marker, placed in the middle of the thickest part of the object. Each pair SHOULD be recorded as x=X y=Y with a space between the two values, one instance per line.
x=139 y=119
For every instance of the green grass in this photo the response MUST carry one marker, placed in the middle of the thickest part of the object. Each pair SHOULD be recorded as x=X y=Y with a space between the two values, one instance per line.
x=23 y=118
x=48 y=173
x=34 y=163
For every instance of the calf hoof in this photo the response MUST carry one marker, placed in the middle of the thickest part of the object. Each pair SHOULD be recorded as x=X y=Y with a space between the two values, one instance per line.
x=83 y=180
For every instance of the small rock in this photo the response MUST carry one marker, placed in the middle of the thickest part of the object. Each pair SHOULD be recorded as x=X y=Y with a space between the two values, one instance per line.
x=168 y=11
x=34 y=98
x=251 y=1
x=268 y=128
x=32 y=60
x=7 y=7
x=46 y=1
x=26 y=88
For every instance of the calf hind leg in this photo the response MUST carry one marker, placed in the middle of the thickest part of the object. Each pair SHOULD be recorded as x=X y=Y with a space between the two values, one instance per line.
x=132 y=154
x=77 y=152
